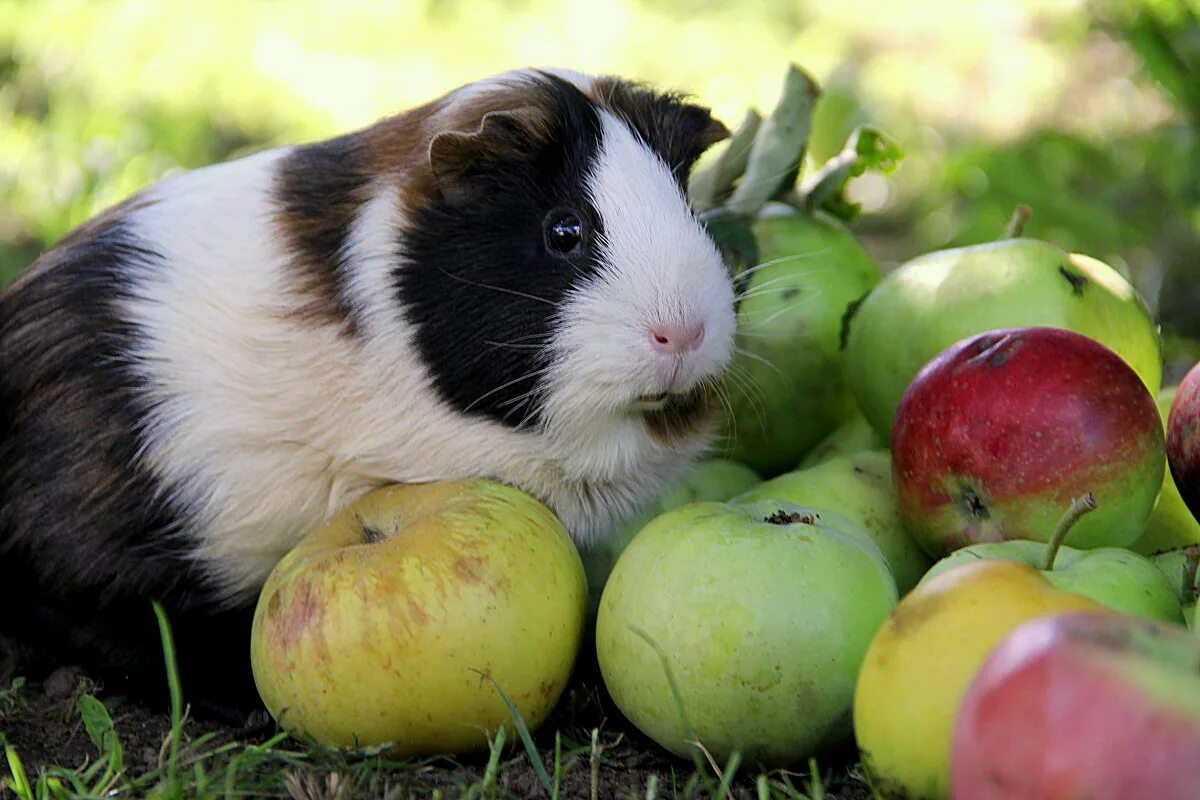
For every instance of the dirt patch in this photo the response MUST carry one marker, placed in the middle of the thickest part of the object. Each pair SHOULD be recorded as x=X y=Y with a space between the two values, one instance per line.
x=601 y=755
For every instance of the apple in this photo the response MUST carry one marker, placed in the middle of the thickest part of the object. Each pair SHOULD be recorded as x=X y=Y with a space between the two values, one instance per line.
x=713 y=479
x=852 y=436
x=940 y=298
x=375 y=631
x=761 y=612
x=786 y=390
x=1183 y=439
x=857 y=486
x=998 y=432
x=921 y=661
x=1171 y=524
x=1118 y=578
x=1101 y=706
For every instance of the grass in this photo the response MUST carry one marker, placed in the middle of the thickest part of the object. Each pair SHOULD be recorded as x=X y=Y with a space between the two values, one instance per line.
x=591 y=761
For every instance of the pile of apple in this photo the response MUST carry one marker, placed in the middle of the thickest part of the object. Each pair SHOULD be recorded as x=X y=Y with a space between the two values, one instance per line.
x=1002 y=399
x=941 y=524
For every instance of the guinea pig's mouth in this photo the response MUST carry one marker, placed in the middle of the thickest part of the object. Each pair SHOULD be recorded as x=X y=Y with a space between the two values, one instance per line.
x=673 y=415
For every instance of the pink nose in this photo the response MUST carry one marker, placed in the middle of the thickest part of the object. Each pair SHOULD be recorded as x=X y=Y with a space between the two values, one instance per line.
x=672 y=339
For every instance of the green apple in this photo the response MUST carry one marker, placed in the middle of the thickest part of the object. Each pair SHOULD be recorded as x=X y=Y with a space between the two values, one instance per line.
x=941 y=298
x=761 y=613
x=1118 y=578
x=852 y=436
x=786 y=391
x=374 y=632
x=1171 y=524
x=716 y=479
x=858 y=486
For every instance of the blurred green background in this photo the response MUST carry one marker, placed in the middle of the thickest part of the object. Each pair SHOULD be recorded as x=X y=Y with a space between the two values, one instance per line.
x=1087 y=111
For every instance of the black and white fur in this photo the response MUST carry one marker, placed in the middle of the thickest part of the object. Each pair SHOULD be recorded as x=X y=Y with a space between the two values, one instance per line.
x=195 y=379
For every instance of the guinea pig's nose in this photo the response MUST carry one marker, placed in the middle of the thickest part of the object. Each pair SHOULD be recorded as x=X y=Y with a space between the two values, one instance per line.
x=676 y=339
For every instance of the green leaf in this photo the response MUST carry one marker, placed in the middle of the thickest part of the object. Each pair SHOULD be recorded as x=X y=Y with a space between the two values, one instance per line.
x=99 y=727
x=734 y=238
x=709 y=187
x=778 y=146
x=867 y=148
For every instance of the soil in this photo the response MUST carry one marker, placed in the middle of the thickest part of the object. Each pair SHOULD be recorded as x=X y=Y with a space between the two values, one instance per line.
x=44 y=727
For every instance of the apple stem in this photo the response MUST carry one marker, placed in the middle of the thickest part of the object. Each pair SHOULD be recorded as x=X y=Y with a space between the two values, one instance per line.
x=1016 y=223
x=1079 y=507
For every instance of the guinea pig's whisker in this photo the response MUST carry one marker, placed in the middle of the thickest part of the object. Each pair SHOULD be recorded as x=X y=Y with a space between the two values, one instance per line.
x=749 y=388
x=758 y=322
x=504 y=386
x=764 y=361
x=496 y=288
x=781 y=260
x=773 y=290
x=722 y=393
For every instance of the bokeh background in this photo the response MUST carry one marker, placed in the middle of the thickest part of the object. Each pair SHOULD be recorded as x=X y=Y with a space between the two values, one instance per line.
x=1087 y=111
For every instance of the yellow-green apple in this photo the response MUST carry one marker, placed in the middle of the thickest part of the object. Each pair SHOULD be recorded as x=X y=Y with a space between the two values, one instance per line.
x=922 y=659
x=1097 y=706
x=852 y=436
x=761 y=612
x=375 y=631
x=1183 y=439
x=858 y=486
x=787 y=391
x=715 y=479
x=1118 y=578
x=1000 y=431
x=1171 y=524
x=940 y=298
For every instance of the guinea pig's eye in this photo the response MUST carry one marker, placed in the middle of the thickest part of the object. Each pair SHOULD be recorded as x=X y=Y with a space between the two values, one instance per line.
x=564 y=231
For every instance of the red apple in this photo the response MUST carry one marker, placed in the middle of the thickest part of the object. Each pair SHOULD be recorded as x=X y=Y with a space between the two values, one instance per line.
x=1102 y=706
x=997 y=434
x=1183 y=439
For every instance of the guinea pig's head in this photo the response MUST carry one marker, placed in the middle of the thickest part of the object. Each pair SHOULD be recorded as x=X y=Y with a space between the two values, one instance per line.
x=558 y=279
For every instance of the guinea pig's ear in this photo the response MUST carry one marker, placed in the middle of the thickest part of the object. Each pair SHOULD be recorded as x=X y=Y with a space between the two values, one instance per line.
x=697 y=124
x=457 y=158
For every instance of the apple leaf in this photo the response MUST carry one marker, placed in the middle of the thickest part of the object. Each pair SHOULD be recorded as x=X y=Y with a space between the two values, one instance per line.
x=867 y=148
x=709 y=187
x=779 y=144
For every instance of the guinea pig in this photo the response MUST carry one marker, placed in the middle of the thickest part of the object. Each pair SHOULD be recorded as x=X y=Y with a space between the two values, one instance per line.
x=506 y=282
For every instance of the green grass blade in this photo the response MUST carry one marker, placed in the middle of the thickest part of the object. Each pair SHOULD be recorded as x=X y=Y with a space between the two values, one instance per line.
x=19 y=782
x=496 y=746
x=176 y=692
x=697 y=751
x=523 y=733
x=731 y=768
x=816 y=789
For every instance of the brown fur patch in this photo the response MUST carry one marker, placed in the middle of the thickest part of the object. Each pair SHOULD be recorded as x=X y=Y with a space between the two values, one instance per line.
x=400 y=145
x=683 y=417
x=97 y=224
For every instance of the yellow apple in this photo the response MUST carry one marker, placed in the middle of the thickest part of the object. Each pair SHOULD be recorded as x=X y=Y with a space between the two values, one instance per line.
x=921 y=661
x=375 y=631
